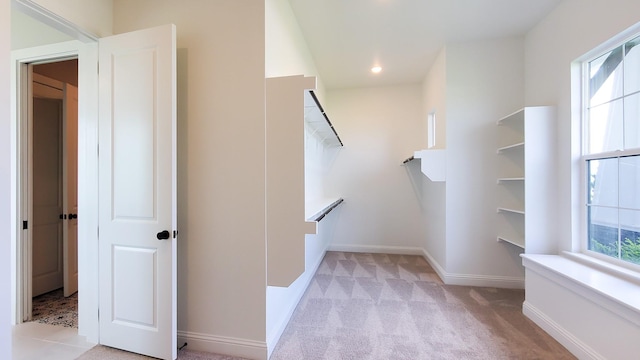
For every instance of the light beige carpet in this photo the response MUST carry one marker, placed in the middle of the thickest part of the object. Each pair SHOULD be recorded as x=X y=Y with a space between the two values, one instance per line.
x=375 y=306
x=379 y=307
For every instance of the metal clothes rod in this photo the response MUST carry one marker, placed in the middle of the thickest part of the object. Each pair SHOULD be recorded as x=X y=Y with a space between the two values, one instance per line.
x=328 y=209
x=313 y=95
x=408 y=159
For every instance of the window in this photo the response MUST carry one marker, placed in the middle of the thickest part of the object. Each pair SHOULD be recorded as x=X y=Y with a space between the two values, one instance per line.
x=611 y=152
x=431 y=130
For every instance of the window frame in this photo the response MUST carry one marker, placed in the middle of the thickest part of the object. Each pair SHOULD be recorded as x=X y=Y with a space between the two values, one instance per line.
x=584 y=156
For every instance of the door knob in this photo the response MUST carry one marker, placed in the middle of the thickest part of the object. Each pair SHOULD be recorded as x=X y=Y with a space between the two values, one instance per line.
x=73 y=216
x=163 y=235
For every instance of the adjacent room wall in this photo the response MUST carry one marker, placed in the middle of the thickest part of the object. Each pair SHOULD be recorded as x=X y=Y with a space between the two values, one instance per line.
x=5 y=182
x=221 y=167
x=380 y=128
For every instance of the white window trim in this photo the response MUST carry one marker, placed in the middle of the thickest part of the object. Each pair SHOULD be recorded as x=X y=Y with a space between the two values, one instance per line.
x=579 y=133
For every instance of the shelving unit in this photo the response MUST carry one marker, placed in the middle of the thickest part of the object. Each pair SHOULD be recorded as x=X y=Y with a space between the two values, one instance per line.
x=525 y=178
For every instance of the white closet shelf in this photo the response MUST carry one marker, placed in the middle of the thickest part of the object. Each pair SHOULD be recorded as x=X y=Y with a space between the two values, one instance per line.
x=508 y=179
x=516 y=146
x=513 y=211
x=513 y=117
x=433 y=163
x=517 y=243
x=318 y=121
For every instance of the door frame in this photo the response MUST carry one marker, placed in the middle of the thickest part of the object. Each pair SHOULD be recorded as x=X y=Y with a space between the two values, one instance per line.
x=85 y=48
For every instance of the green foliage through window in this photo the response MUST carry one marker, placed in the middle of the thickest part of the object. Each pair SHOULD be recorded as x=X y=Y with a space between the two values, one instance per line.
x=629 y=249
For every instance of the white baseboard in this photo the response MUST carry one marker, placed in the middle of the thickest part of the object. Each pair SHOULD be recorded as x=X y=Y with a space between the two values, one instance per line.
x=377 y=249
x=249 y=349
x=506 y=282
x=578 y=348
x=273 y=339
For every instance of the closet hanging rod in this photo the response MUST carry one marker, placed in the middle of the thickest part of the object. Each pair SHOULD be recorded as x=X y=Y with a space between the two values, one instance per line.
x=313 y=95
x=328 y=209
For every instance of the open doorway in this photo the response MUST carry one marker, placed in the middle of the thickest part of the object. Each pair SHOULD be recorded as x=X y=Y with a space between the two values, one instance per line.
x=51 y=184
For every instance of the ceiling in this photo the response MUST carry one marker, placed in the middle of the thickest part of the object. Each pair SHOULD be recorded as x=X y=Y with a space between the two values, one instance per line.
x=348 y=37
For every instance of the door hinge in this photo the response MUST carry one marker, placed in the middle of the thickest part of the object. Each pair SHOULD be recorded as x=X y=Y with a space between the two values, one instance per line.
x=25 y=225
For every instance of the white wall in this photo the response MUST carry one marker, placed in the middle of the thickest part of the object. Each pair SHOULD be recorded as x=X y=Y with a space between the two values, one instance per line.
x=380 y=128
x=485 y=81
x=94 y=16
x=5 y=183
x=221 y=167
x=433 y=194
x=286 y=50
x=434 y=90
x=574 y=28
x=571 y=30
x=286 y=53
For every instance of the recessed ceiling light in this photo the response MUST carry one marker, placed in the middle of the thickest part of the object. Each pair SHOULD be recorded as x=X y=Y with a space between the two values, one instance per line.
x=376 y=69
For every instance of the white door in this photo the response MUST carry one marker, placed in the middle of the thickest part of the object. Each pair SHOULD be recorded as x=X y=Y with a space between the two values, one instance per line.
x=137 y=191
x=70 y=181
x=47 y=268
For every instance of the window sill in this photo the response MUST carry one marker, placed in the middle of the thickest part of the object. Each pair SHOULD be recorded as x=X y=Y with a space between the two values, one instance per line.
x=609 y=286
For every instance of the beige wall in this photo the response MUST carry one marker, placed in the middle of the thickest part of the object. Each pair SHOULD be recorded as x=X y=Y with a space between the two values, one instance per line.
x=5 y=184
x=221 y=184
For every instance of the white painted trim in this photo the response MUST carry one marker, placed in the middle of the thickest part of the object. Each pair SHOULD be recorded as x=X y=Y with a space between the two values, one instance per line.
x=442 y=273
x=274 y=337
x=87 y=178
x=578 y=348
x=246 y=348
x=505 y=282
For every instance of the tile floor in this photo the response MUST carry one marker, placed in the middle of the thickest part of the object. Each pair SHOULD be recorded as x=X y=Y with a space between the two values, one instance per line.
x=36 y=341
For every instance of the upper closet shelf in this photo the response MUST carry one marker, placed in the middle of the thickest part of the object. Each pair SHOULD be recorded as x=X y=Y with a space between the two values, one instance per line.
x=317 y=120
x=433 y=163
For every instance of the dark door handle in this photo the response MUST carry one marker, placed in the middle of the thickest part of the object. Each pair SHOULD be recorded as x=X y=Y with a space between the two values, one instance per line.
x=73 y=216
x=163 y=235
